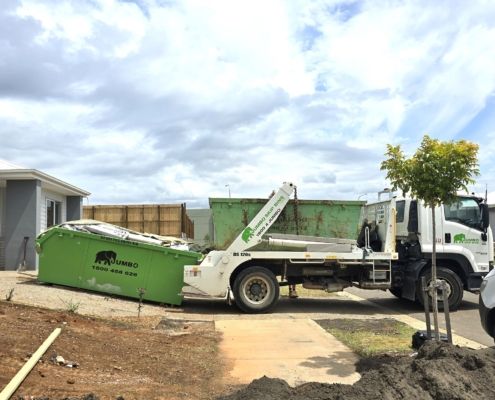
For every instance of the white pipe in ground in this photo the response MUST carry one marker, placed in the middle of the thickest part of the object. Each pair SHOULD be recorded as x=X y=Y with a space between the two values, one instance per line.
x=26 y=369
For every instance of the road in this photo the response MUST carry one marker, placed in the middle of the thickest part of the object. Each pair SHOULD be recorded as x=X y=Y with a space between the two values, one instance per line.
x=465 y=321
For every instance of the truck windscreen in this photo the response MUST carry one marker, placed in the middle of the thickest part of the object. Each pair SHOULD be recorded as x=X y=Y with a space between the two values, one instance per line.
x=465 y=211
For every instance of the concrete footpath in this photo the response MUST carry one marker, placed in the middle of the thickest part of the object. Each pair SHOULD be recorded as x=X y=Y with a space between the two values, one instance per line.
x=296 y=350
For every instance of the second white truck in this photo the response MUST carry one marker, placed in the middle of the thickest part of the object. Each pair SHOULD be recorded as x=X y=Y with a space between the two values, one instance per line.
x=393 y=251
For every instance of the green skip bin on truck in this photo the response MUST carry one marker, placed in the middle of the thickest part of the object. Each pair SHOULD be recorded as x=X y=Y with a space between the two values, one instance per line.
x=117 y=264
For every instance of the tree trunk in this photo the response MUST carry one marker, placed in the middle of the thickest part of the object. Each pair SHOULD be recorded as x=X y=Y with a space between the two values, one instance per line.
x=433 y=282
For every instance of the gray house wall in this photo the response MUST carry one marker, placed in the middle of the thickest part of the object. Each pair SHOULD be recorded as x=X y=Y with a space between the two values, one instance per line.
x=74 y=208
x=22 y=199
x=203 y=225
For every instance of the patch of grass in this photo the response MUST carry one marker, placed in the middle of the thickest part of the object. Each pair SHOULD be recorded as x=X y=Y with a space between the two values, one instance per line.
x=141 y=292
x=71 y=306
x=10 y=294
x=371 y=337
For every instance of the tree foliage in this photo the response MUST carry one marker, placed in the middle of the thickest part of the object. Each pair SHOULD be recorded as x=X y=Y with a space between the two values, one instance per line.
x=435 y=172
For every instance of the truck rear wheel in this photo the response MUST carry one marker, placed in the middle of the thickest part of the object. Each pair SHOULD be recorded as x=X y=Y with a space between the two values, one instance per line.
x=454 y=282
x=256 y=290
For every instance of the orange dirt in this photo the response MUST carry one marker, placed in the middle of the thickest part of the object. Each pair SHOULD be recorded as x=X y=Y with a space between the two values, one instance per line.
x=131 y=357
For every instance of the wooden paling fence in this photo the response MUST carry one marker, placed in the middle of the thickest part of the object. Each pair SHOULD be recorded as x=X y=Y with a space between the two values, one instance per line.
x=160 y=219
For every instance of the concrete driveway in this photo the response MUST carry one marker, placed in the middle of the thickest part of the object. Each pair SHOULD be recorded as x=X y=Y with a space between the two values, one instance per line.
x=295 y=350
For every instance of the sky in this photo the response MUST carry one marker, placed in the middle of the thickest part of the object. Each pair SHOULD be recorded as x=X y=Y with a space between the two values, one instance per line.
x=163 y=101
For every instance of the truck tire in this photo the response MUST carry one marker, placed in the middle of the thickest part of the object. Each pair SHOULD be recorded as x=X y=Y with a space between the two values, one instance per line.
x=452 y=279
x=256 y=290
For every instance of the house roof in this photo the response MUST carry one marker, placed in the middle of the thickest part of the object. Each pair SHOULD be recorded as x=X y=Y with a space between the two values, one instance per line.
x=10 y=171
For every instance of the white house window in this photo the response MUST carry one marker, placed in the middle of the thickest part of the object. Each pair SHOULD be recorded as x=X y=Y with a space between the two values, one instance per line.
x=53 y=213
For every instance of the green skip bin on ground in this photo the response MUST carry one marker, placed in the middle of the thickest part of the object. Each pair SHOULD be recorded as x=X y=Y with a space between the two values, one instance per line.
x=113 y=265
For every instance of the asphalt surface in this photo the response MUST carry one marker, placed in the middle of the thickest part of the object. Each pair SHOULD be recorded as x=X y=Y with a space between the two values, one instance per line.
x=465 y=321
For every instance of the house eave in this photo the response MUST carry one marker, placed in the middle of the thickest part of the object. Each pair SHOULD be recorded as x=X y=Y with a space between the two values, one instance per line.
x=52 y=182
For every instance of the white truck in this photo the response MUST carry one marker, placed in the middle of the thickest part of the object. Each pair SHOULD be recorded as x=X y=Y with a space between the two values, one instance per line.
x=393 y=251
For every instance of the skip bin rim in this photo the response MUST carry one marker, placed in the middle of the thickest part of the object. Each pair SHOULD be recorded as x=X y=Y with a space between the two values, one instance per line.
x=42 y=237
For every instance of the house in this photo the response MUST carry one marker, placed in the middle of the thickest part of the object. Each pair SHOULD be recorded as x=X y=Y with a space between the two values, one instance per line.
x=30 y=202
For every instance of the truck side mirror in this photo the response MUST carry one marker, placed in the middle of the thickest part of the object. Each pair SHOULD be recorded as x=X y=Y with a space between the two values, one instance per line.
x=485 y=216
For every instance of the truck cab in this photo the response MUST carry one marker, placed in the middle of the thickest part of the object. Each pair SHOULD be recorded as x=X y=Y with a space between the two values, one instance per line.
x=464 y=244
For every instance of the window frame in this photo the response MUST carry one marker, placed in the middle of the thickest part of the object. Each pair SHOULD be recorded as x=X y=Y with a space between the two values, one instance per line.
x=56 y=213
x=400 y=213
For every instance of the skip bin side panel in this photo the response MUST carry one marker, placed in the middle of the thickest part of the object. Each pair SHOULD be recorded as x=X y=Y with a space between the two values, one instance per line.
x=325 y=218
x=115 y=266
x=166 y=277
x=61 y=257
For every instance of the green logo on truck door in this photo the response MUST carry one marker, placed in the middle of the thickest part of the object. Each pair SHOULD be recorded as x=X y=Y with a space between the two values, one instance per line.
x=461 y=239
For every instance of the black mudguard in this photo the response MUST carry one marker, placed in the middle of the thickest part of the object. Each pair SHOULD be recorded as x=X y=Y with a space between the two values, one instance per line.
x=411 y=276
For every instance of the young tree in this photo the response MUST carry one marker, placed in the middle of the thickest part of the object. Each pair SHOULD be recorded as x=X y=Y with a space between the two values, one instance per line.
x=433 y=174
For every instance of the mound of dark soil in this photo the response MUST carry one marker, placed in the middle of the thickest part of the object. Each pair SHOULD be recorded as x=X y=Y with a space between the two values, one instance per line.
x=439 y=371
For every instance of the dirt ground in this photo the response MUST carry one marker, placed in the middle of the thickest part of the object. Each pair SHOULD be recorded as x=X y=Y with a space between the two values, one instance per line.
x=156 y=357
x=128 y=358
x=439 y=371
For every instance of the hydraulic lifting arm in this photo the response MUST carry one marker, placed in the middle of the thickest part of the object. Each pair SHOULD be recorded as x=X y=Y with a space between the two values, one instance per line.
x=252 y=234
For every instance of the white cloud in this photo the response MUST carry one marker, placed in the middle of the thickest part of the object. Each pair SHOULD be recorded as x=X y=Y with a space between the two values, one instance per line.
x=154 y=101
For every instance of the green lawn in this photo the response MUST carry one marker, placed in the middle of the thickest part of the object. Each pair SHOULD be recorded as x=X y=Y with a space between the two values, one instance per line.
x=371 y=337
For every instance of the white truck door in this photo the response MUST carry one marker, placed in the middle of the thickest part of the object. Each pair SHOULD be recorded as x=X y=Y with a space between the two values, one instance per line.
x=463 y=232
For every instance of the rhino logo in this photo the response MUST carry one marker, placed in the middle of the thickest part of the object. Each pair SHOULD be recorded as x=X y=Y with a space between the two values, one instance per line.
x=106 y=257
x=247 y=234
x=459 y=238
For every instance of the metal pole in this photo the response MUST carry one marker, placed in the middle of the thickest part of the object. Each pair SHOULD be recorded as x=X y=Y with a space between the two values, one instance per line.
x=426 y=302
x=434 y=283
x=446 y=294
x=433 y=289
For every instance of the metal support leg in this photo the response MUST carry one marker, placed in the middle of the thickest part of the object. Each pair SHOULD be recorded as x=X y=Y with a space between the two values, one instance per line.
x=426 y=302
x=433 y=288
x=446 y=294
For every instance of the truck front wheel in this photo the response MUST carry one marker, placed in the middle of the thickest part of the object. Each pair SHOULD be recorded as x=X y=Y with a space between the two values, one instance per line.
x=256 y=290
x=455 y=285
